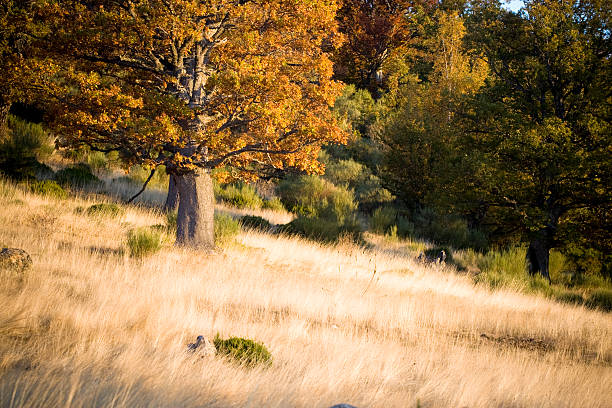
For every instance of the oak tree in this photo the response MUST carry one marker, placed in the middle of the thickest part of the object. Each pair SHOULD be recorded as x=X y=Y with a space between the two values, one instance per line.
x=194 y=85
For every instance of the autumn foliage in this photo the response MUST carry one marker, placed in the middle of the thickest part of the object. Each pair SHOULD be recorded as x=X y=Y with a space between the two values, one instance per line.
x=194 y=84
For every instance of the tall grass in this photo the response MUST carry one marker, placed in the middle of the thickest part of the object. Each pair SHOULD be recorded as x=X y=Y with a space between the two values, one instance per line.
x=344 y=323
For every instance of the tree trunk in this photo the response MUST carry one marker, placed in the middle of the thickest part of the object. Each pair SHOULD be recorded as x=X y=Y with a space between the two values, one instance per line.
x=537 y=258
x=173 y=195
x=195 y=221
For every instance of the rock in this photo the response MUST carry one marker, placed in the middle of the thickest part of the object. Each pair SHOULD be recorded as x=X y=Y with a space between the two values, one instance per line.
x=14 y=259
x=206 y=349
x=343 y=406
x=202 y=347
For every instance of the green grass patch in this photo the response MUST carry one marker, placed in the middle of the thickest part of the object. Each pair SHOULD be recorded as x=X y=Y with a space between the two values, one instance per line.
x=600 y=299
x=226 y=229
x=254 y=222
x=105 y=209
x=144 y=241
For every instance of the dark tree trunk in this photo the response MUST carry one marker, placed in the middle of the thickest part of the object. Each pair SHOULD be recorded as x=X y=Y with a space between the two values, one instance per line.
x=538 y=255
x=173 y=195
x=195 y=221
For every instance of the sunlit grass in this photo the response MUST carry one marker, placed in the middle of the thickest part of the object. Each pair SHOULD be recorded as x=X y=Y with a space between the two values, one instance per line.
x=89 y=326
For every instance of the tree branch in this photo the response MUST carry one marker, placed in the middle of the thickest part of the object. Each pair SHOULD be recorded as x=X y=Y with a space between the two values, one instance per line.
x=144 y=186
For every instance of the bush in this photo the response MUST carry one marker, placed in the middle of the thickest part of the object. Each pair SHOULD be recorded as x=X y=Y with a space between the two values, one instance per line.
x=100 y=162
x=405 y=228
x=104 y=209
x=244 y=351
x=254 y=222
x=48 y=188
x=503 y=269
x=322 y=230
x=76 y=176
x=447 y=230
x=312 y=196
x=22 y=146
x=600 y=299
x=351 y=175
x=239 y=195
x=226 y=229
x=347 y=173
x=382 y=220
x=274 y=204
x=325 y=212
x=144 y=241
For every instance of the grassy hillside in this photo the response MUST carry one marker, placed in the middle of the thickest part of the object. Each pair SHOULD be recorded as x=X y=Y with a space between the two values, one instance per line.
x=88 y=325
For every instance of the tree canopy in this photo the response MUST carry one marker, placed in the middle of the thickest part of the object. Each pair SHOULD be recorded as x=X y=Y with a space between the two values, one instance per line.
x=541 y=127
x=195 y=84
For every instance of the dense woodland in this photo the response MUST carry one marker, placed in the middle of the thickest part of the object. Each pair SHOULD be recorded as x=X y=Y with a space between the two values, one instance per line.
x=460 y=123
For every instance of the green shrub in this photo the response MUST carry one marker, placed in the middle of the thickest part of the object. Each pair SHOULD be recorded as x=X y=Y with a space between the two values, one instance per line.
x=274 y=204
x=240 y=195
x=323 y=230
x=144 y=241
x=355 y=109
x=325 y=212
x=25 y=139
x=600 y=299
x=447 y=230
x=22 y=146
x=405 y=228
x=254 y=222
x=505 y=268
x=347 y=173
x=100 y=162
x=105 y=209
x=312 y=196
x=382 y=219
x=243 y=351
x=76 y=176
x=48 y=188
x=352 y=175
x=226 y=229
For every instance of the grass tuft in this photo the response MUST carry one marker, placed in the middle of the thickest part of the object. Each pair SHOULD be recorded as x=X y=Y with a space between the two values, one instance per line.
x=105 y=209
x=144 y=241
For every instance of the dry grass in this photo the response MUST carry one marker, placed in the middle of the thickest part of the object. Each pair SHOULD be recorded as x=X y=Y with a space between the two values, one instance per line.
x=88 y=326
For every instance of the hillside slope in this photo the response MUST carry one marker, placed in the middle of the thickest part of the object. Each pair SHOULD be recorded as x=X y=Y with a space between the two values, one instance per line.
x=89 y=326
